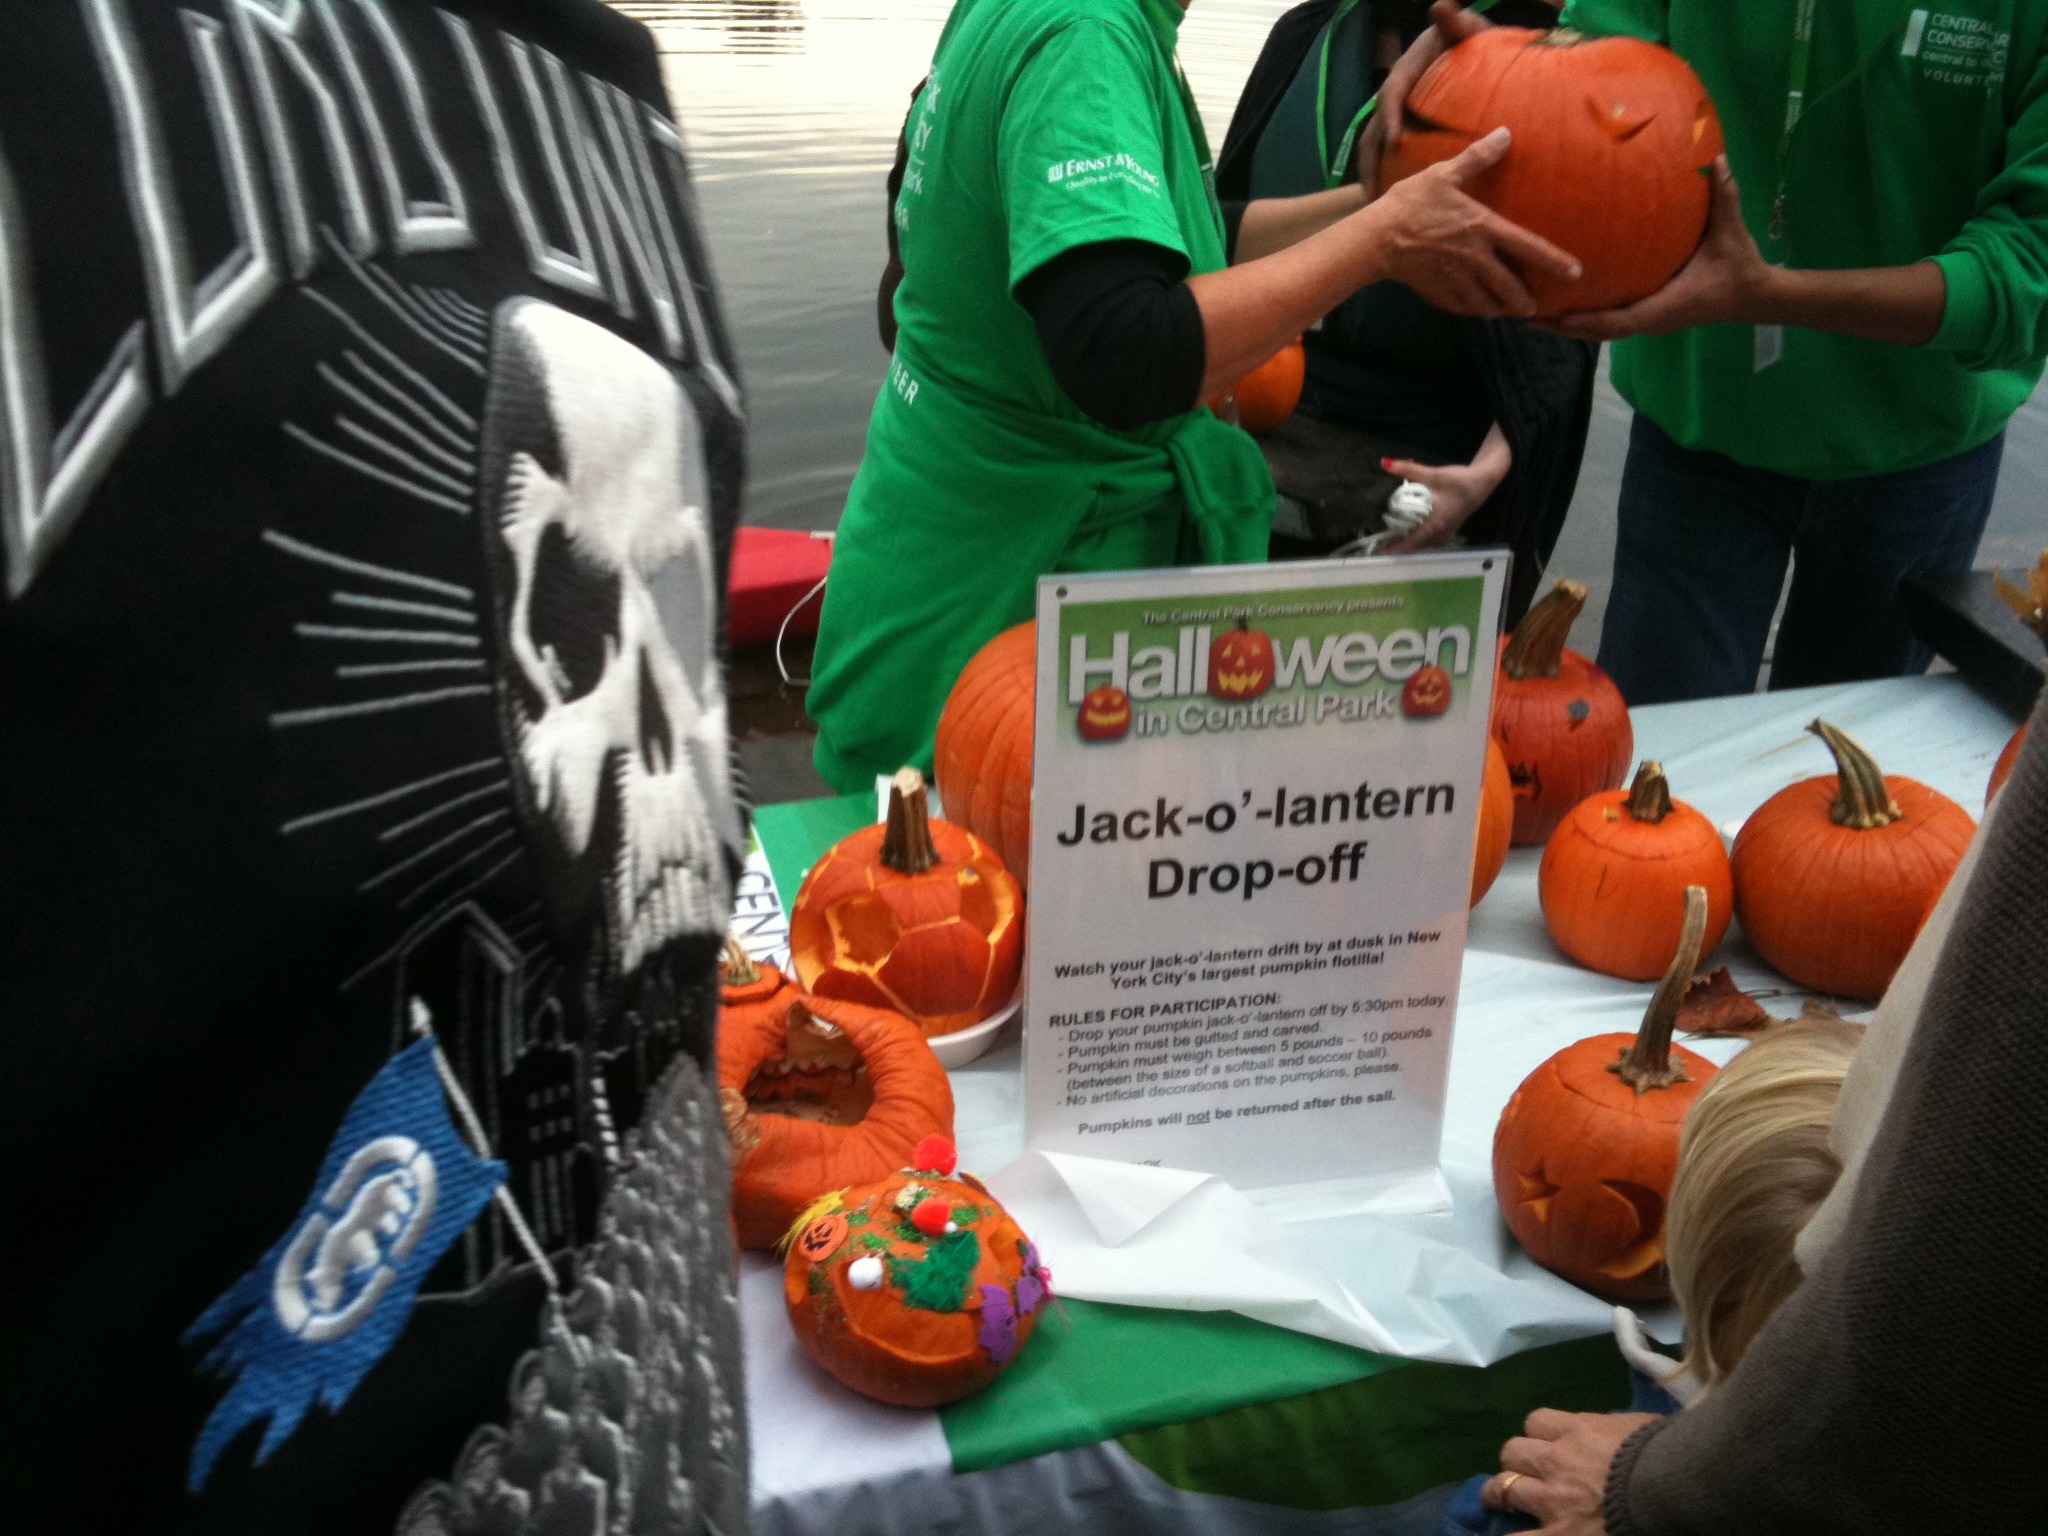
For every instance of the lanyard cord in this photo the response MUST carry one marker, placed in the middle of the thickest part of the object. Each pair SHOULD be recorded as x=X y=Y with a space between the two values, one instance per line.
x=1335 y=166
x=1796 y=104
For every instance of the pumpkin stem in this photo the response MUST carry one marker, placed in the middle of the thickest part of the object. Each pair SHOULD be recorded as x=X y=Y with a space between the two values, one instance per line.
x=1864 y=801
x=907 y=845
x=1538 y=642
x=1647 y=1064
x=1649 y=797
x=736 y=968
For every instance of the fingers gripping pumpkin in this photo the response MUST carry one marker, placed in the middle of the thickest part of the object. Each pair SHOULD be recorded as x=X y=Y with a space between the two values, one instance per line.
x=1559 y=719
x=917 y=1289
x=982 y=760
x=1613 y=140
x=819 y=1095
x=1614 y=876
x=917 y=916
x=1834 y=874
x=1586 y=1149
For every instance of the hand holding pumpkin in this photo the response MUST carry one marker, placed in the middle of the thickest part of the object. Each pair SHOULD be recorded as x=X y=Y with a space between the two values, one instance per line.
x=1726 y=280
x=1451 y=24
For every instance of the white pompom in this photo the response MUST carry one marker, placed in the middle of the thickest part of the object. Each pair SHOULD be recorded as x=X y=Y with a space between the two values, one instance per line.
x=864 y=1274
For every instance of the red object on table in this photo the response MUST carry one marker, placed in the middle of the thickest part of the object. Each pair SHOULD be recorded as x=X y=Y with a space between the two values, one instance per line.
x=772 y=570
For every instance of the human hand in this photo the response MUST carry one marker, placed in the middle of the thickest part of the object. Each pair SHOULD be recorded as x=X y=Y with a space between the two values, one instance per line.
x=1557 y=1471
x=1450 y=24
x=1453 y=250
x=1727 y=279
x=1456 y=491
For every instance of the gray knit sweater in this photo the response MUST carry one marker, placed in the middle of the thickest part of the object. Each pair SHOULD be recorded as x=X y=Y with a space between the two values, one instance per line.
x=1904 y=1388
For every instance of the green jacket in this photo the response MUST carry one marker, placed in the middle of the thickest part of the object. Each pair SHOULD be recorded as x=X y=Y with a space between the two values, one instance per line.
x=1923 y=133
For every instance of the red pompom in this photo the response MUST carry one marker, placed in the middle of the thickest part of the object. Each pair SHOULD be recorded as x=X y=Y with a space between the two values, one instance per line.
x=932 y=1216
x=935 y=1154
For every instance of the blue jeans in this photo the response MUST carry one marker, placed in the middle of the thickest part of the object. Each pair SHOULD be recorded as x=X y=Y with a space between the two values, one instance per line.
x=1700 y=550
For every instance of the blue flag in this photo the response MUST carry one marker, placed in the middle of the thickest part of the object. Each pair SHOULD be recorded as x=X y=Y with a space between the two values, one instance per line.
x=326 y=1303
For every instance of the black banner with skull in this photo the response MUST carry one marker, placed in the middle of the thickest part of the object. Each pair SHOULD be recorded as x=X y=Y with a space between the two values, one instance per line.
x=372 y=447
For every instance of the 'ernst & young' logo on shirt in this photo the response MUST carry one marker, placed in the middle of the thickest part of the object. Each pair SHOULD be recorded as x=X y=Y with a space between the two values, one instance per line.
x=1095 y=171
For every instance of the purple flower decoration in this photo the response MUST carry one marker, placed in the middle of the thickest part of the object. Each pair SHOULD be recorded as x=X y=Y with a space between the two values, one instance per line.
x=998 y=1323
x=1035 y=1284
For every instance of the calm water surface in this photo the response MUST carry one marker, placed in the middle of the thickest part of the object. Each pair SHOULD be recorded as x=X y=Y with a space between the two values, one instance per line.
x=791 y=110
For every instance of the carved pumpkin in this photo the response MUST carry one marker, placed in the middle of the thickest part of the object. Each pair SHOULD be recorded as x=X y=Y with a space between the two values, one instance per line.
x=1240 y=662
x=818 y=1095
x=917 y=1289
x=982 y=760
x=1105 y=714
x=1834 y=874
x=2002 y=769
x=1426 y=694
x=1614 y=876
x=917 y=916
x=1586 y=1149
x=1614 y=140
x=1559 y=718
x=1496 y=821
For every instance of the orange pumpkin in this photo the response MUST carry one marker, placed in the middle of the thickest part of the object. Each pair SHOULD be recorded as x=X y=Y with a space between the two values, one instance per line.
x=819 y=1095
x=917 y=1289
x=1614 y=140
x=750 y=990
x=1586 y=1149
x=1240 y=662
x=1426 y=694
x=917 y=916
x=2002 y=769
x=1268 y=394
x=1834 y=874
x=1559 y=718
x=1496 y=821
x=982 y=760
x=1614 y=876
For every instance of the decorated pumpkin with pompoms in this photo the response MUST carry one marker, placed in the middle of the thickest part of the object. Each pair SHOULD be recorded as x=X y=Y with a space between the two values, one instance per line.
x=916 y=1290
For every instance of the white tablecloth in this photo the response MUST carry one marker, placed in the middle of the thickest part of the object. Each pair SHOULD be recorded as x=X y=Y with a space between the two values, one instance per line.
x=1448 y=1286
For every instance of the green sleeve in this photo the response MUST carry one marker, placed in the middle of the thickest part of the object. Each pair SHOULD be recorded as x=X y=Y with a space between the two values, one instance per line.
x=1080 y=153
x=1647 y=19
x=1997 y=265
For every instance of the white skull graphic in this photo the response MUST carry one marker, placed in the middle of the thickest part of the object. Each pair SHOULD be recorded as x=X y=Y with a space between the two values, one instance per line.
x=615 y=702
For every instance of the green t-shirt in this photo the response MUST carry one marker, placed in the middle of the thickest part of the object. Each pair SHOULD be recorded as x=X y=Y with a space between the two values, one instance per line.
x=1923 y=133
x=1045 y=124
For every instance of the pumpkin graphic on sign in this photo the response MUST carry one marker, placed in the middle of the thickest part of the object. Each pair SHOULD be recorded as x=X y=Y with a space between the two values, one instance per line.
x=1427 y=693
x=1241 y=663
x=1105 y=714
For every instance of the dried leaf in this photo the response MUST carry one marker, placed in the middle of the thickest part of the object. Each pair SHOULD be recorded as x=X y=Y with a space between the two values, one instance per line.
x=1715 y=1006
x=2029 y=606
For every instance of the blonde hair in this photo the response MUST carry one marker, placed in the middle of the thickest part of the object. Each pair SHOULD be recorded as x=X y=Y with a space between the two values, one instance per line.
x=1754 y=1165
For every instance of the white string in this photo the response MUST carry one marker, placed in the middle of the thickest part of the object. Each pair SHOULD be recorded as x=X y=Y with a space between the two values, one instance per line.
x=783 y=628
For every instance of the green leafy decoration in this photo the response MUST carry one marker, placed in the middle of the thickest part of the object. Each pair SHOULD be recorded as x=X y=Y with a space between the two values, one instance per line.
x=966 y=1215
x=938 y=1281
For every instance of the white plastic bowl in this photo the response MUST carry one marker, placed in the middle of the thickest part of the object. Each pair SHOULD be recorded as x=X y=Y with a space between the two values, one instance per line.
x=964 y=1045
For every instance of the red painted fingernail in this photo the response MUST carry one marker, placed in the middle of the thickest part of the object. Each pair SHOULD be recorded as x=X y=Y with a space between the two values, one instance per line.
x=1386 y=463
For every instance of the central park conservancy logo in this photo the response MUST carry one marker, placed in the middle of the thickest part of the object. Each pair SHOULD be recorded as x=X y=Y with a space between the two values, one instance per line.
x=1103 y=168
x=1953 y=49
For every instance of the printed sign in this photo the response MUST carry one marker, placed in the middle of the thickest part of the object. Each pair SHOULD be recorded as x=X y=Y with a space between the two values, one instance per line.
x=1255 y=796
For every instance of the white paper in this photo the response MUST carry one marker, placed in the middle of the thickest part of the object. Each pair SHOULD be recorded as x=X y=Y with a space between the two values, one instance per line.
x=1255 y=791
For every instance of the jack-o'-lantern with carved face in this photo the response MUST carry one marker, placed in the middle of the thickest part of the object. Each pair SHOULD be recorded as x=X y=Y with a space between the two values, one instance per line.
x=1587 y=1148
x=1426 y=694
x=1105 y=714
x=1240 y=663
